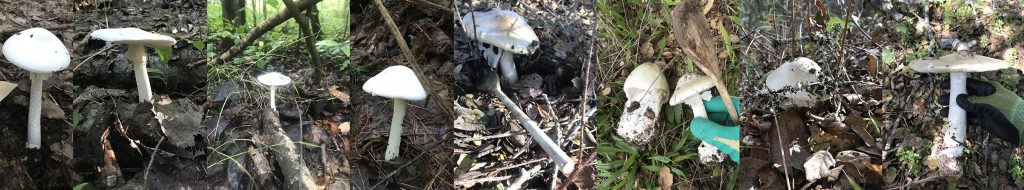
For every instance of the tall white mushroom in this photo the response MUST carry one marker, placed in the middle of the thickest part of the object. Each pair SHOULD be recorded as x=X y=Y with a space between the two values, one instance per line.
x=795 y=74
x=957 y=65
x=273 y=80
x=41 y=53
x=646 y=90
x=137 y=40
x=400 y=84
x=501 y=34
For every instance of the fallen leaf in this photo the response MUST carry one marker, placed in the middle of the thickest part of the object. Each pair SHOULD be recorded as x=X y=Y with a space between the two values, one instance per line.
x=6 y=88
x=344 y=97
x=665 y=178
x=872 y=64
x=51 y=109
x=343 y=128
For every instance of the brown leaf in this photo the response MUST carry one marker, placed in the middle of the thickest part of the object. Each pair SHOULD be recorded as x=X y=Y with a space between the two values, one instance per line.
x=342 y=96
x=51 y=109
x=872 y=64
x=665 y=178
x=6 y=88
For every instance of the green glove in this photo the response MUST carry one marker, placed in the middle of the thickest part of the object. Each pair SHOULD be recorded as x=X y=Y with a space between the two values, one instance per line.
x=725 y=138
x=994 y=108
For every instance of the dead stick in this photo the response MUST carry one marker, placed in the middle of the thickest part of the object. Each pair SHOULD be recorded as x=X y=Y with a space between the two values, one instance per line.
x=285 y=153
x=261 y=29
x=307 y=34
x=404 y=47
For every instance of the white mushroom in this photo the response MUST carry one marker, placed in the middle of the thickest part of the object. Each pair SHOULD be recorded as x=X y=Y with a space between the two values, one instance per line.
x=273 y=80
x=41 y=53
x=795 y=74
x=957 y=65
x=689 y=89
x=501 y=34
x=137 y=40
x=646 y=90
x=400 y=84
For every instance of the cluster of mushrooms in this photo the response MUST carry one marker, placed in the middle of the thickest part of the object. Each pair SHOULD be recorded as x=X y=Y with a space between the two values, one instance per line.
x=647 y=90
x=41 y=53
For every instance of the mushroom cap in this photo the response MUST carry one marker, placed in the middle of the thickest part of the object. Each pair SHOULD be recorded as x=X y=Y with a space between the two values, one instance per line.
x=503 y=29
x=133 y=36
x=647 y=76
x=396 y=82
x=37 y=50
x=961 y=61
x=690 y=85
x=794 y=73
x=274 y=79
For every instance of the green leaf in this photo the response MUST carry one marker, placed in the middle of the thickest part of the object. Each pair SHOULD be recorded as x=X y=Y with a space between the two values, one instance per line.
x=833 y=22
x=888 y=56
x=80 y=186
x=165 y=53
x=76 y=118
x=660 y=158
x=199 y=45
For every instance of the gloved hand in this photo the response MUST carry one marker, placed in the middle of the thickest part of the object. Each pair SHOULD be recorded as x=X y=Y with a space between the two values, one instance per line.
x=992 y=107
x=710 y=130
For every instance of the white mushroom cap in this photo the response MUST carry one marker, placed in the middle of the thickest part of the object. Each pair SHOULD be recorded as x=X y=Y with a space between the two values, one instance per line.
x=690 y=85
x=795 y=73
x=396 y=82
x=504 y=29
x=133 y=36
x=37 y=50
x=958 y=62
x=274 y=79
x=647 y=76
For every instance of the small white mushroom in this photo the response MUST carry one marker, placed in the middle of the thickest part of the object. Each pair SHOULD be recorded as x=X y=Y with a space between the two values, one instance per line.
x=689 y=89
x=501 y=34
x=400 y=84
x=41 y=53
x=137 y=40
x=795 y=74
x=957 y=65
x=273 y=80
x=646 y=90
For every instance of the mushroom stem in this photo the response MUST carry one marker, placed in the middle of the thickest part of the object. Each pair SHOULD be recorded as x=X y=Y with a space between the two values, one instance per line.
x=697 y=105
x=395 y=136
x=273 y=103
x=137 y=55
x=508 y=66
x=952 y=147
x=35 y=106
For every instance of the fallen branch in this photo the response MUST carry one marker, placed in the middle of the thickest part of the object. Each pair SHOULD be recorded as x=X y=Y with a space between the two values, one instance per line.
x=261 y=29
x=296 y=176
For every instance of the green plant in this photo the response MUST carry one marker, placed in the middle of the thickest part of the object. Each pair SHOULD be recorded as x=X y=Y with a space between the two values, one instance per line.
x=909 y=158
x=1017 y=172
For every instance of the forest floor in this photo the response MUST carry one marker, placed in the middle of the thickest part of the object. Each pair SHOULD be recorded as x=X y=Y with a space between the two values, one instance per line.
x=312 y=112
x=877 y=117
x=50 y=166
x=492 y=148
x=117 y=137
x=424 y=160
x=633 y=33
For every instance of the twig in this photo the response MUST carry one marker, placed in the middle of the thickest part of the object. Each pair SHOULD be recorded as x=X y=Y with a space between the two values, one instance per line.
x=432 y=5
x=482 y=180
x=404 y=47
x=527 y=175
x=156 y=149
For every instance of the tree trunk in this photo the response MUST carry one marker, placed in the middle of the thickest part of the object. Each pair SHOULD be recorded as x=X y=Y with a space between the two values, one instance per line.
x=314 y=22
